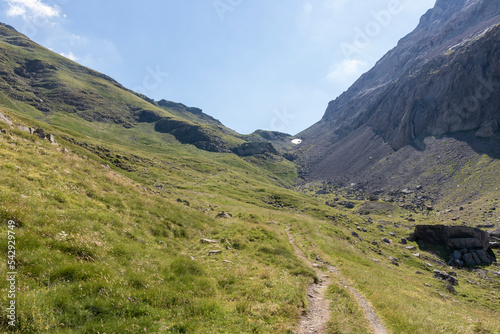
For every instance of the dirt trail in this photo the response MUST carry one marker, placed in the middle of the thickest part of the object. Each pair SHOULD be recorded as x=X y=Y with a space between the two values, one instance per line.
x=318 y=314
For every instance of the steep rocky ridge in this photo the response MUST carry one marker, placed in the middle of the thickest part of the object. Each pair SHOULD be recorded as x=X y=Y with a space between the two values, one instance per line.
x=442 y=79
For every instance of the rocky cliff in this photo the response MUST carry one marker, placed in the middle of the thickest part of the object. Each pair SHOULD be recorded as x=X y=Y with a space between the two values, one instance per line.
x=442 y=79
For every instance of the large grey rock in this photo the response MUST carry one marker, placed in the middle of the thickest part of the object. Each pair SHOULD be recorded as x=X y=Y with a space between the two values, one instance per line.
x=445 y=277
x=469 y=260
x=41 y=133
x=457 y=255
x=224 y=215
x=456 y=237
x=5 y=119
x=23 y=128
x=347 y=204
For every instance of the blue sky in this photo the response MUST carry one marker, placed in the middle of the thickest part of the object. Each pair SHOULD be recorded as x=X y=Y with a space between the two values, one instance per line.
x=252 y=64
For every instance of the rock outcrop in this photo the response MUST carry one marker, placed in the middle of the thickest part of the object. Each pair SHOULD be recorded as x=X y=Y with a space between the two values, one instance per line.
x=441 y=275
x=254 y=148
x=455 y=237
x=190 y=133
x=471 y=245
x=5 y=119
x=32 y=131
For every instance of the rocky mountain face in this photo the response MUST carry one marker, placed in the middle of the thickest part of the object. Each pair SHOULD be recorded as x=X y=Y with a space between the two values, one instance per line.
x=441 y=80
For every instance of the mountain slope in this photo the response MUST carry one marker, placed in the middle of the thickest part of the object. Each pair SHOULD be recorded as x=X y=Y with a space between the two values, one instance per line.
x=441 y=79
x=39 y=83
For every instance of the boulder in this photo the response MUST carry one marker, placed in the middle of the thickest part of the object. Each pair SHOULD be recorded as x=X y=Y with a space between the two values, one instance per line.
x=483 y=256
x=348 y=205
x=469 y=260
x=52 y=139
x=214 y=252
x=41 y=133
x=208 y=241
x=225 y=215
x=456 y=263
x=457 y=255
x=5 y=119
x=455 y=237
x=495 y=233
x=450 y=288
x=394 y=261
x=441 y=275
x=24 y=128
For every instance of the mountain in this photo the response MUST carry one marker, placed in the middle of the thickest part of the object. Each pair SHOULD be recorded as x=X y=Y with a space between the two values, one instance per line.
x=440 y=81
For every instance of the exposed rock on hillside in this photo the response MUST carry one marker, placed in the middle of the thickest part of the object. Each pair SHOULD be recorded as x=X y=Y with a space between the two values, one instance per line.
x=248 y=149
x=194 y=134
x=5 y=119
x=32 y=131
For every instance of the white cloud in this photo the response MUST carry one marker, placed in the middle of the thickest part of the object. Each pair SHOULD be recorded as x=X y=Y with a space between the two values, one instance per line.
x=96 y=53
x=69 y=55
x=29 y=9
x=304 y=18
x=346 y=70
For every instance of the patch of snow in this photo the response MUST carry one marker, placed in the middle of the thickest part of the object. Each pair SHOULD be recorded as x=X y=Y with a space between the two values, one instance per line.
x=297 y=141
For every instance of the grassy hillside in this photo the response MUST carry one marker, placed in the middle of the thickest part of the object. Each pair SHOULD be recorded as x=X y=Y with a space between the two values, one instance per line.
x=113 y=250
x=109 y=226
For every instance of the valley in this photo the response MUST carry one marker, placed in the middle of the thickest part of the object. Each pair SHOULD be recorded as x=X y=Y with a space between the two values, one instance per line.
x=139 y=216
